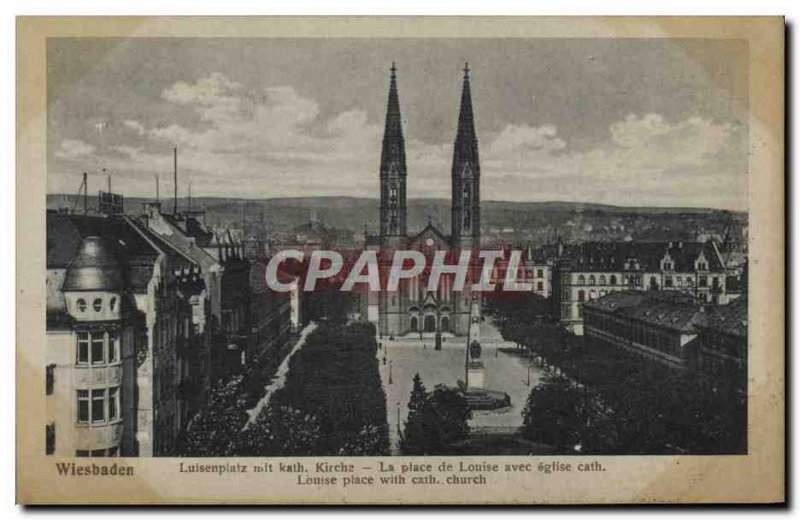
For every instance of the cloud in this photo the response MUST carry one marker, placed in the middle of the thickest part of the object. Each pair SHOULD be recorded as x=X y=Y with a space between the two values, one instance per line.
x=694 y=161
x=74 y=149
x=136 y=126
x=514 y=139
x=273 y=141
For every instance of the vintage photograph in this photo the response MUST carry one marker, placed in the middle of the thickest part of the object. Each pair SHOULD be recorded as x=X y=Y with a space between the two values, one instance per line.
x=400 y=261
x=610 y=190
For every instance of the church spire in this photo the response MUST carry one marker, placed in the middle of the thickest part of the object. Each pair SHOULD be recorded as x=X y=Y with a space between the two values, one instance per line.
x=465 y=136
x=393 y=167
x=393 y=131
x=466 y=203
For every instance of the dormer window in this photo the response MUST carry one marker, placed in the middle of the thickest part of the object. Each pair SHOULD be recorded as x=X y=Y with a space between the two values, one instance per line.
x=81 y=303
x=113 y=304
x=97 y=304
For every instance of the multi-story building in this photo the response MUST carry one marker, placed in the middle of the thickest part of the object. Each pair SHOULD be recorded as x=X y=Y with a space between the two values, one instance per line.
x=659 y=325
x=214 y=263
x=115 y=318
x=534 y=268
x=271 y=312
x=675 y=329
x=720 y=349
x=588 y=271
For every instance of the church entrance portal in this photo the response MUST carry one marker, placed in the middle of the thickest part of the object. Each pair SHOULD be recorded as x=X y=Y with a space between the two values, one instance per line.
x=445 y=324
x=430 y=323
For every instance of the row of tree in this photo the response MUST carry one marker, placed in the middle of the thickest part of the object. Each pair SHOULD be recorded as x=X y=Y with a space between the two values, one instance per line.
x=607 y=400
x=331 y=404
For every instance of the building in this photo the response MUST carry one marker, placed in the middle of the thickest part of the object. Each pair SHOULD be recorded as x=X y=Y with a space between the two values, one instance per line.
x=274 y=316
x=116 y=323
x=720 y=350
x=535 y=268
x=412 y=308
x=591 y=270
x=658 y=325
x=674 y=329
x=215 y=263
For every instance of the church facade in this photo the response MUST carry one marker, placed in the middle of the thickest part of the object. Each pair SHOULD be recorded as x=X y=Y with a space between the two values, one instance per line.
x=413 y=308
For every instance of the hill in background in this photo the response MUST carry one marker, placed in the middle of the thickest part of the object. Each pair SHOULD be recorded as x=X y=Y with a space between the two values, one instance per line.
x=507 y=222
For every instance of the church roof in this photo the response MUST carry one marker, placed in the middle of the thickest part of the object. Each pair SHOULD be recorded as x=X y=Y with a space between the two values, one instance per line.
x=430 y=229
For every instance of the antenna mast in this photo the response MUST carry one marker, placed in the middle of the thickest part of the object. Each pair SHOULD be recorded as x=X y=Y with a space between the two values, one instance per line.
x=175 y=180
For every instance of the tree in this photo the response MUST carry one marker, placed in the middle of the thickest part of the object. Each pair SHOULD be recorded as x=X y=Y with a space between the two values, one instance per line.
x=554 y=414
x=452 y=412
x=435 y=420
x=415 y=436
x=213 y=431
x=281 y=431
x=371 y=440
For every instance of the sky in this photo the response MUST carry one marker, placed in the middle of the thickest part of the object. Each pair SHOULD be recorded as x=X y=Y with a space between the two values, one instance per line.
x=615 y=121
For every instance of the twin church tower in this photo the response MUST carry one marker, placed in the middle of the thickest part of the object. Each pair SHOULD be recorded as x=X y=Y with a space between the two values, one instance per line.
x=466 y=173
x=414 y=309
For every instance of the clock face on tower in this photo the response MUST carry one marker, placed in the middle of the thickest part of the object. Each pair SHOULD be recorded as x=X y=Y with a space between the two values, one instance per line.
x=429 y=242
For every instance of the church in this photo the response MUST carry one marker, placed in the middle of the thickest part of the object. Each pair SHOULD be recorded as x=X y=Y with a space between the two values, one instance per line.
x=413 y=309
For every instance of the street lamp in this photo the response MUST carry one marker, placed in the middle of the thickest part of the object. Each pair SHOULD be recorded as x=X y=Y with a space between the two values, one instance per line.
x=398 y=419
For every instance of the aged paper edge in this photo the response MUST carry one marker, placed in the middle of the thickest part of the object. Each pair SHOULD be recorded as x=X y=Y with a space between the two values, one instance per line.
x=755 y=478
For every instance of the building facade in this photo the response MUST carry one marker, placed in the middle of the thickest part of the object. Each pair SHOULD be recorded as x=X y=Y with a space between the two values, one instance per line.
x=115 y=318
x=588 y=271
x=658 y=325
x=674 y=329
x=413 y=308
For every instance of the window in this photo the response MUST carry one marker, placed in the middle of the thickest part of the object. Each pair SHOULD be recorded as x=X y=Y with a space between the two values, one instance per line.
x=653 y=283
x=98 y=345
x=113 y=304
x=668 y=281
x=581 y=280
x=81 y=453
x=81 y=304
x=113 y=404
x=539 y=273
x=49 y=379
x=592 y=280
x=113 y=347
x=83 y=347
x=702 y=281
x=613 y=280
x=97 y=304
x=98 y=406
x=98 y=453
x=581 y=295
x=540 y=286
x=83 y=406
x=602 y=279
